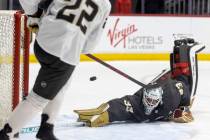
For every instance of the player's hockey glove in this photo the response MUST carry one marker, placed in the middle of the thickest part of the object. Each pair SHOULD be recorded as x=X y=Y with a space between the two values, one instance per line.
x=94 y=117
x=182 y=115
x=33 y=21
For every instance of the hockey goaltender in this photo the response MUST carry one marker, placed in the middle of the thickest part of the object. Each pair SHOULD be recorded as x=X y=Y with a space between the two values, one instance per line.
x=168 y=98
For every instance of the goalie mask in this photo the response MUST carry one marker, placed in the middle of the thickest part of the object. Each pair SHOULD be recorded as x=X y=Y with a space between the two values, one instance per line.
x=152 y=97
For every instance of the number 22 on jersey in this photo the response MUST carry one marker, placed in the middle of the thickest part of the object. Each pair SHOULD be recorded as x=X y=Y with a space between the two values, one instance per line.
x=85 y=17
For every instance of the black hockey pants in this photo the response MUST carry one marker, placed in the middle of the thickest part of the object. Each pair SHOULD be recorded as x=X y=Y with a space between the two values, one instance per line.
x=52 y=75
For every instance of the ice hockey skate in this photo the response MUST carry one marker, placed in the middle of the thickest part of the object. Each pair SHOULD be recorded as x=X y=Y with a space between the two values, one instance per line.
x=46 y=130
x=4 y=132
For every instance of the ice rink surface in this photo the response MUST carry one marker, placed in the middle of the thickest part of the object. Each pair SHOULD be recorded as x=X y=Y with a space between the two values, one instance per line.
x=83 y=93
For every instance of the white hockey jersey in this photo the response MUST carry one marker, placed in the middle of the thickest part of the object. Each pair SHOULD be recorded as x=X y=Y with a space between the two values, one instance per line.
x=70 y=27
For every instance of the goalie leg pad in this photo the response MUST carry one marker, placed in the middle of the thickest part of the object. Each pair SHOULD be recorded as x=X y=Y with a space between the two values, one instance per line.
x=94 y=117
x=93 y=111
x=180 y=61
x=184 y=62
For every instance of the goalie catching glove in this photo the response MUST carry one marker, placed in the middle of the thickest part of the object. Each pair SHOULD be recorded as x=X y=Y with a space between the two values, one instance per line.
x=182 y=115
x=94 y=117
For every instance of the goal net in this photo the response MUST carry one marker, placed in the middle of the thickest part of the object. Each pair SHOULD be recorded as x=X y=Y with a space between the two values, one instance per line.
x=14 y=61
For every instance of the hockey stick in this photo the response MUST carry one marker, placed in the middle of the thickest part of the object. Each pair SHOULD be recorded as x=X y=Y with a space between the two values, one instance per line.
x=62 y=126
x=115 y=70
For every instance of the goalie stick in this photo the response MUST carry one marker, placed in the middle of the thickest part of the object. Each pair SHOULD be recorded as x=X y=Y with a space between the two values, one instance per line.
x=115 y=70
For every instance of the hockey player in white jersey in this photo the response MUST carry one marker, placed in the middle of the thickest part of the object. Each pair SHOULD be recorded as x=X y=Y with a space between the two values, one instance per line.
x=65 y=29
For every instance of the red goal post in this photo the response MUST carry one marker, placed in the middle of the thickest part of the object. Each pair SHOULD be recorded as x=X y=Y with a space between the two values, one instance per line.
x=14 y=61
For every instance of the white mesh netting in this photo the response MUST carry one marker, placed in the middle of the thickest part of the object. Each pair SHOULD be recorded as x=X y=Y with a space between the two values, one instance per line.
x=7 y=37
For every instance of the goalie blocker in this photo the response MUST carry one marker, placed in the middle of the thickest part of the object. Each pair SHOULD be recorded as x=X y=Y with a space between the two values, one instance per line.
x=167 y=98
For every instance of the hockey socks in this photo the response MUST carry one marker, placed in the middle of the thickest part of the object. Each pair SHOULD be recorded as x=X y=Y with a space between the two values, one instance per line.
x=52 y=109
x=25 y=112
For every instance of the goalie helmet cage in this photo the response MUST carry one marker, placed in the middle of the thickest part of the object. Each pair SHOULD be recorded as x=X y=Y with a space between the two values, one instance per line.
x=14 y=61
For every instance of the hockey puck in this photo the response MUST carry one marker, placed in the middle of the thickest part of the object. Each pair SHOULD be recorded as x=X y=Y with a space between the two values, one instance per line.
x=93 y=78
